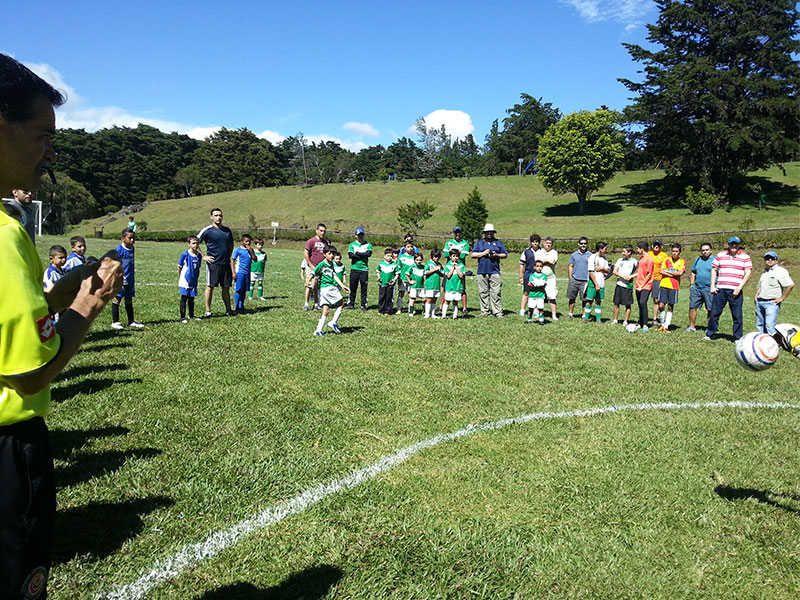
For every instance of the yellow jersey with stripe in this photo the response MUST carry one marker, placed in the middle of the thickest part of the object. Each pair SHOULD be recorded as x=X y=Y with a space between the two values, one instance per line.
x=671 y=283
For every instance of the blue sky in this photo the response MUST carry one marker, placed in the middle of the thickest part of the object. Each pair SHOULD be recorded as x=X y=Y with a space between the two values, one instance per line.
x=358 y=73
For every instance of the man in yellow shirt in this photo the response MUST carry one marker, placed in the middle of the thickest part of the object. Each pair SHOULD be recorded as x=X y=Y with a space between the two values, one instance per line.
x=33 y=349
x=658 y=256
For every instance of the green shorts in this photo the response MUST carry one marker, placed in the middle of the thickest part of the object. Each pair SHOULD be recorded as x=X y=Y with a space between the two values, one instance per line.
x=592 y=293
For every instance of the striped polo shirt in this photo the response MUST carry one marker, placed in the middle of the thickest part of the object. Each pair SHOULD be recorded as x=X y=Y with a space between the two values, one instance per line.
x=731 y=268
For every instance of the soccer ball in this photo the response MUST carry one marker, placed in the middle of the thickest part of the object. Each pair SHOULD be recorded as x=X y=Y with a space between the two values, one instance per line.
x=631 y=327
x=757 y=351
x=788 y=337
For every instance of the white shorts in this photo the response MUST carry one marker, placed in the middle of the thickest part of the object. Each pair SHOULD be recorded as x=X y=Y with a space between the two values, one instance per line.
x=431 y=294
x=452 y=296
x=536 y=303
x=256 y=276
x=416 y=293
x=550 y=289
x=330 y=295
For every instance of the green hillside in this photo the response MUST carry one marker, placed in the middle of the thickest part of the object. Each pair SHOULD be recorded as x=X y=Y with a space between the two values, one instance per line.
x=632 y=203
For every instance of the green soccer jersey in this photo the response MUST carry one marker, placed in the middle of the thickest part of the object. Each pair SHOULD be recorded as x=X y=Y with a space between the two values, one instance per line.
x=454 y=283
x=324 y=270
x=340 y=270
x=463 y=246
x=417 y=276
x=406 y=261
x=386 y=272
x=434 y=280
x=359 y=264
x=257 y=266
x=536 y=284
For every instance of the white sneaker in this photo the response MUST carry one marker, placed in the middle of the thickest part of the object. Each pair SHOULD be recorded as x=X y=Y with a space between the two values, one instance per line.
x=117 y=325
x=522 y=313
x=554 y=319
x=691 y=329
x=208 y=314
x=184 y=320
x=624 y=323
x=136 y=325
x=615 y=322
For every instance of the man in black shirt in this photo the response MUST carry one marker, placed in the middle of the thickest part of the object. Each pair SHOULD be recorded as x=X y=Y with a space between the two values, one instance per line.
x=219 y=247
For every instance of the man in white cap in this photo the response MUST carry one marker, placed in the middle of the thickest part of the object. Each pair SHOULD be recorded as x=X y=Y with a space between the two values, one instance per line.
x=489 y=251
x=773 y=287
x=729 y=274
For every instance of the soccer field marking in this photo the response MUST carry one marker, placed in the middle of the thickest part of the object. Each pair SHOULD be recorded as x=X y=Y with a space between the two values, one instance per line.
x=192 y=555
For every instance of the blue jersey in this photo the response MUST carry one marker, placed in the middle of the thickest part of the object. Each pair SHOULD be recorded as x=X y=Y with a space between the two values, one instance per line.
x=74 y=260
x=243 y=259
x=126 y=256
x=52 y=275
x=190 y=272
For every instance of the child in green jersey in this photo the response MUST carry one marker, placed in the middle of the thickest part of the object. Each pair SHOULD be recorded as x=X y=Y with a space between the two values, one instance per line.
x=257 y=269
x=338 y=265
x=405 y=261
x=416 y=280
x=536 y=284
x=433 y=278
x=329 y=291
x=388 y=272
x=454 y=282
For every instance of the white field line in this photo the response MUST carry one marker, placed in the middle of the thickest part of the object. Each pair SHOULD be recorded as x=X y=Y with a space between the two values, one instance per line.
x=192 y=555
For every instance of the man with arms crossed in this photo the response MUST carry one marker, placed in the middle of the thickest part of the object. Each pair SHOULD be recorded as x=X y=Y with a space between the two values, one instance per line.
x=219 y=248
x=33 y=350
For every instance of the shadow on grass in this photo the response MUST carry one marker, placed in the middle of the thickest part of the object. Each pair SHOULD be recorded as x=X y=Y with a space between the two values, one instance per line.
x=74 y=372
x=104 y=347
x=594 y=207
x=313 y=583
x=87 y=386
x=351 y=329
x=84 y=467
x=105 y=334
x=765 y=497
x=64 y=441
x=777 y=193
x=101 y=528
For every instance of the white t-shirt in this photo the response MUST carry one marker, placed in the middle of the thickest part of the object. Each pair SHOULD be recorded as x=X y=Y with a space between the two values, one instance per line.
x=551 y=256
x=595 y=260
x=626 y=267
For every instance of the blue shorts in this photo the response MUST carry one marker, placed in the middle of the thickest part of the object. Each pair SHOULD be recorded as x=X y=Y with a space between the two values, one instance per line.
x=667 y=296
x=190 y=292
x=699 y=298
x=127 y=291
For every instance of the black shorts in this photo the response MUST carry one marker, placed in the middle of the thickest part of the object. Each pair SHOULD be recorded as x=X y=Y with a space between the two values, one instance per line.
x=27 y=509
x=219 y=274
x=623 y=296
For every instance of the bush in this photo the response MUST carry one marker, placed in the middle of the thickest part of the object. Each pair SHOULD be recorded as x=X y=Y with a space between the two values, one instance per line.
x=701 y=202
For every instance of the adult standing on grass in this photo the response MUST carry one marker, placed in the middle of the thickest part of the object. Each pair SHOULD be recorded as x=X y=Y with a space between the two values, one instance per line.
x=644 y=283
x=489 y=251
x=33 y=350
x=359 y=252
x=700 y=285
x=774 y=286
x=578 y=273
x=314 y=253
x=730 y=271
x=219 y=248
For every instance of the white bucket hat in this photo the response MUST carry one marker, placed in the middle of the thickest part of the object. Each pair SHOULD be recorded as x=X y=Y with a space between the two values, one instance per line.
x=489 y=227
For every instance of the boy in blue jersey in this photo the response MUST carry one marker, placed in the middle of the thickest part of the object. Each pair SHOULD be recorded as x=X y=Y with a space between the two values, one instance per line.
x=241 y=259
x=188 y=274
x=58 y=256
x=77 y=257
x=125 y=251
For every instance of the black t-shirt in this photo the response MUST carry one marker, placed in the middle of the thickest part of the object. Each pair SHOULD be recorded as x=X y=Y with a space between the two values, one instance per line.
x=219 y=243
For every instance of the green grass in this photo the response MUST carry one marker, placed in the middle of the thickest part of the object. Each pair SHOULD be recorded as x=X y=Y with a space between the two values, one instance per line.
x=166 y=435
x=630 y=204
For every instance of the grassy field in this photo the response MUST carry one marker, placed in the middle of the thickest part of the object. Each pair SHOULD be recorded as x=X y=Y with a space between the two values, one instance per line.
x=632 y=203
x=168 y=435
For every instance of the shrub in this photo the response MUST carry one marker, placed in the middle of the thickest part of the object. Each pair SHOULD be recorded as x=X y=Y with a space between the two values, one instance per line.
x=701 y=202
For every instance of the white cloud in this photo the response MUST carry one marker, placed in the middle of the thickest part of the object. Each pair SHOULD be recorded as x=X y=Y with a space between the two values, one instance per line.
x=627 y=12
x=457 y=123
x=201 y=133
x=272 y=136
x=352 y=145
x=361 y=128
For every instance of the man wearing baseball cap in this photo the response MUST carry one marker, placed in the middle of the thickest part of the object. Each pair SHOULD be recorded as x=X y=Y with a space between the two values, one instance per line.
x=462 y=245
x=773 y=287
x=489 y=251
x=730 y=272
x=359 y=252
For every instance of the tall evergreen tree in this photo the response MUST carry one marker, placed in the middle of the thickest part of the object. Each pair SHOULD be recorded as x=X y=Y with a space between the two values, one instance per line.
x=720 y=98
x=471 y=215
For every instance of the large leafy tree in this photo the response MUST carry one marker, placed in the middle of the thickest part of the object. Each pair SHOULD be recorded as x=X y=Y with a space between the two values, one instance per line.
x=580 y=153
x=720 y=96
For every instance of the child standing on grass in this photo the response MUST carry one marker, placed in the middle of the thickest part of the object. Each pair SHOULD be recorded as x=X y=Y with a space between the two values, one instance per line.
x=330 y=295
x=671 y=270
x=77 y=257
x=388 y=272
x=596 y=286
x=644 y=283
x=257 y=269
x=454 y=275
x=537 y=282
x=58 y=257
x=128 y=291
x=416 y=279
x=188 y=274
x=405 y=262
x=338 y=265
x=241 y=261
x=625 y=270
x=433 y=279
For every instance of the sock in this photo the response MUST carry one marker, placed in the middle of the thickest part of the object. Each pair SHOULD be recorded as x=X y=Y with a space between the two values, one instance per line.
x=530 y=314
x=115 y=312
x=129 y=312
x=252 y=287
x=260 y=289
x=587 y=311
x=183 y=306
x=661 y=316
x=444 y=310
x=597 y=310
x=336 y=315
x=668 y=319
x=455 y=311
x=321 y=323
x=190 y=299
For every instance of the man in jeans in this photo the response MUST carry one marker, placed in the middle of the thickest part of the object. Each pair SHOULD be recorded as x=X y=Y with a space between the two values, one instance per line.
x=773 y=287
x=489 y=251
x=729 y=274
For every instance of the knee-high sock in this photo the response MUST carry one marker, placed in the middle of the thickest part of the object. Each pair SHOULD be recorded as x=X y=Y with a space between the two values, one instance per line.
x=336 y=314
x=597 y=310
x=321 y=323
x=444 y=310
x=115 y=312
x=129 y=312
